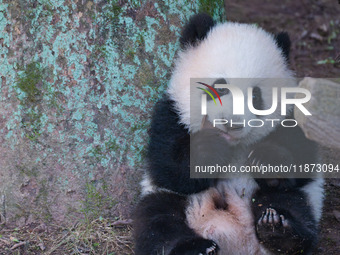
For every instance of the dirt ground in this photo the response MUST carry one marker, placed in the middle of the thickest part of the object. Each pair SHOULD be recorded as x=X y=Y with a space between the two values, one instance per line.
x=314 y=27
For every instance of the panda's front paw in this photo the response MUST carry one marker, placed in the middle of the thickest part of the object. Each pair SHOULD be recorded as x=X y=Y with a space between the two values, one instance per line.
x=208 y=148
x=272 y=155
x=195 y=246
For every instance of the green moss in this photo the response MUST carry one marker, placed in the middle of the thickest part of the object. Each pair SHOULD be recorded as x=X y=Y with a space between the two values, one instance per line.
x=48 y=8
x=32 y=87
x=99 y=51
x=112 y=12
x=32 y=124
x=214 y=8
x=142 y=153
x=96 y=201
x=29 y=81
x=141 y=41
x=97 y=153
x=111 y=145
x=30 y=172
x=130 y=53
x=43 y=203
x=142 y=125
x=144 y=76
x=103 y=151
x=135 y=3
x=115 y=9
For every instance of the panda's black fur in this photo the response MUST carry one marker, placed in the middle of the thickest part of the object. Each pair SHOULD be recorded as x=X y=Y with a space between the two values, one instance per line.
x=177 y=215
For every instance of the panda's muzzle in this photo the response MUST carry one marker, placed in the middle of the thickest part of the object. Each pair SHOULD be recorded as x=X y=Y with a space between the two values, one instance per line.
x=235 y=127
x=226 y=128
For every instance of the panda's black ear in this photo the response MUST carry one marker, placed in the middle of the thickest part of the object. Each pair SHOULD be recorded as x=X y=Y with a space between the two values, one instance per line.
x=196 y=29
x=283 y=41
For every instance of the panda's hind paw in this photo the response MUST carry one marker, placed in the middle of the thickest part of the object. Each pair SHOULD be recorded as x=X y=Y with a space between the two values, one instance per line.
x=272 y=224
x=196 y=246
x=270 y=217
x=277 y=232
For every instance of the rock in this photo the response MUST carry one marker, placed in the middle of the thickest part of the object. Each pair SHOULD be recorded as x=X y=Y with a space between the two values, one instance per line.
x=323 y=30
x=316 y=37
x=323 y=126
x=336 y=215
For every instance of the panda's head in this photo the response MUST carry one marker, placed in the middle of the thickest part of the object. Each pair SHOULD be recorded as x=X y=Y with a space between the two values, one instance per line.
x=239 y=54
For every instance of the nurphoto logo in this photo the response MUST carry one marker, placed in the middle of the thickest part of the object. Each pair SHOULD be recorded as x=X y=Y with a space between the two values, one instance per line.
x=239 y=102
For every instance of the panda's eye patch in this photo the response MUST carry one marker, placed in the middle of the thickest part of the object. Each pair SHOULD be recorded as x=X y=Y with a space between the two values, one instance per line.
x=257 y=98
x=220 y=91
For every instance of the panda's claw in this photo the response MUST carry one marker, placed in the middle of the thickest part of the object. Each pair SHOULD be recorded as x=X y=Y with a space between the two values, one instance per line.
x=271 y=218
x=259 y=223
x=285 y=222
x=250 y=153
x=253 y=160
x=265 y=217
x=212 y=250
x=196 y=246
x=276 y=217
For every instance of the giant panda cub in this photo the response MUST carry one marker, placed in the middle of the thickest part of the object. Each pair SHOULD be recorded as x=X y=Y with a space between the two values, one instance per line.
x=179 y=215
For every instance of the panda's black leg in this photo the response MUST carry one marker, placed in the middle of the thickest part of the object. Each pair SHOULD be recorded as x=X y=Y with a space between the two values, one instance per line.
x=160 y=228
x=283 y=234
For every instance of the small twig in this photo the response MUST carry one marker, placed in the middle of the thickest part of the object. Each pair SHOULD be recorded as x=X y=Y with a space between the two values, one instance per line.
x=6 y=230
x=337 y=59
x=18 y=245
x=122 y=222
x=5 y=241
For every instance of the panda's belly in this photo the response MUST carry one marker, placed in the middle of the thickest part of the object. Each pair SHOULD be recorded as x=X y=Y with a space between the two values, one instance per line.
x=232 y=228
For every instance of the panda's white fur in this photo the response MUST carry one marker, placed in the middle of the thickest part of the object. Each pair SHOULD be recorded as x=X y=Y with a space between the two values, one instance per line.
x=219 y=56
x=233 y=229
x=315 y=194
x=148 y=187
